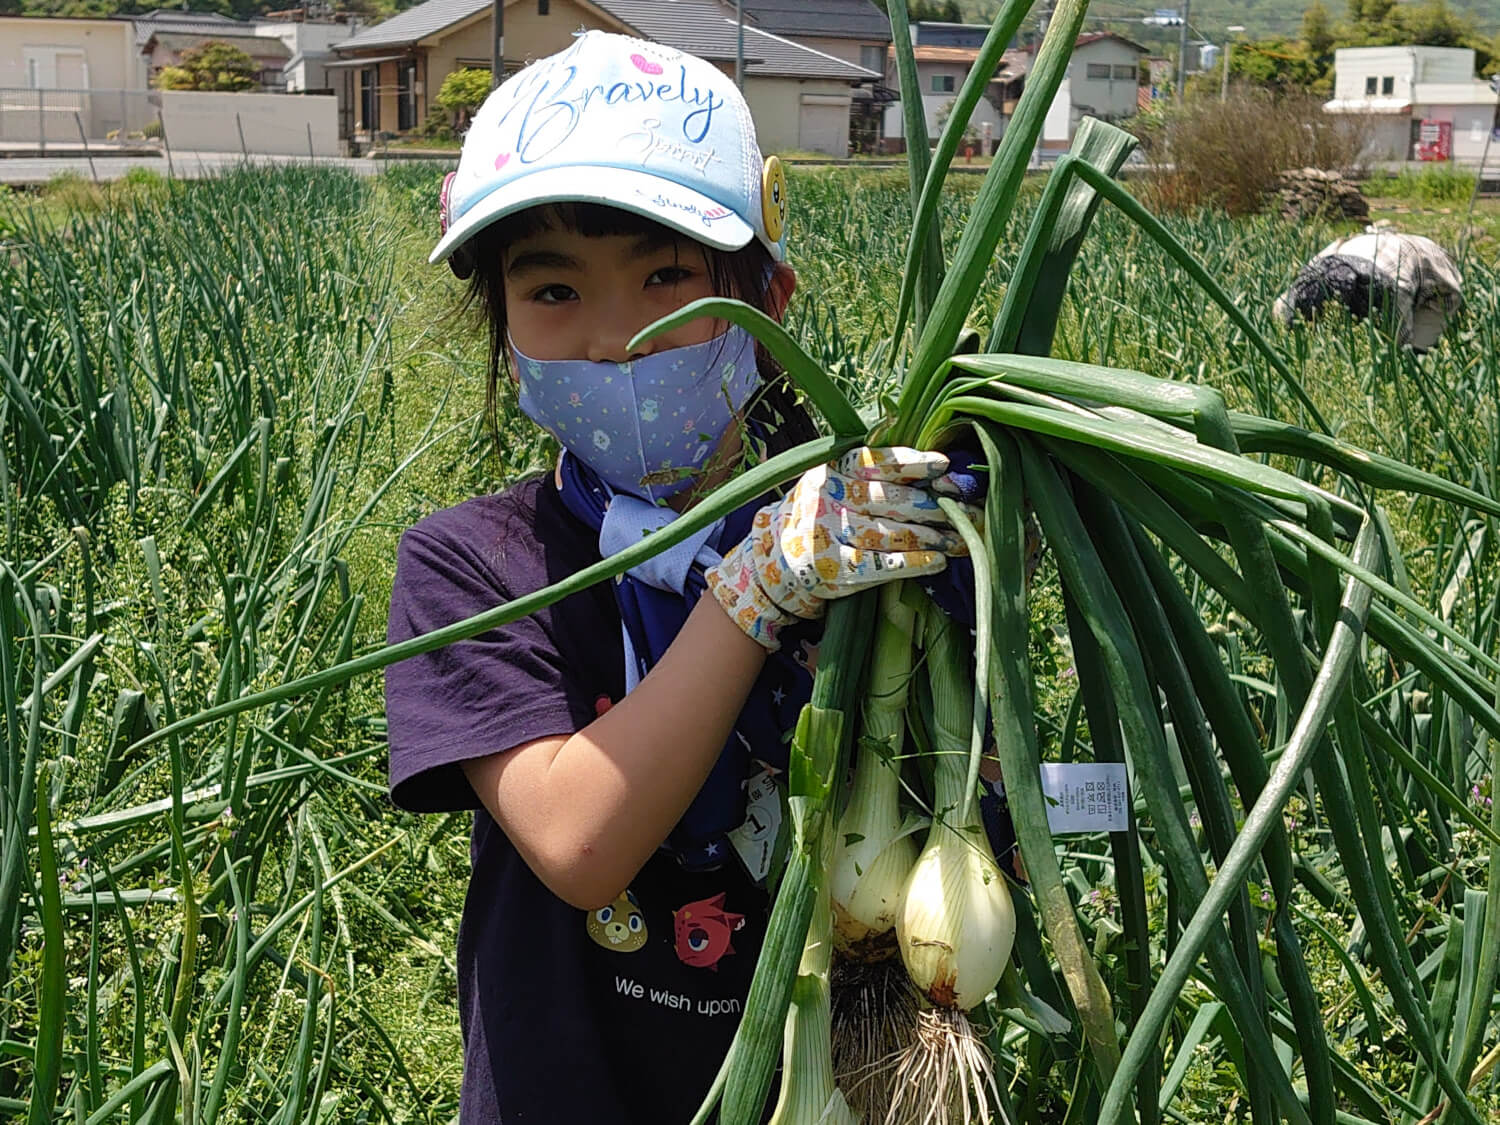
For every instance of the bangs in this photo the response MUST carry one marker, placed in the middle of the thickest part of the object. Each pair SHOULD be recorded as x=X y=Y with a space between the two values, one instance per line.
x=592 y=220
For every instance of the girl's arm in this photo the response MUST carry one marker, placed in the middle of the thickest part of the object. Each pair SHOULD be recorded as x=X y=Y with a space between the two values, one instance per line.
x=587 y=811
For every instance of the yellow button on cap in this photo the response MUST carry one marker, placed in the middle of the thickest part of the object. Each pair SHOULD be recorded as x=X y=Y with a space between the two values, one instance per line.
x=773 y=198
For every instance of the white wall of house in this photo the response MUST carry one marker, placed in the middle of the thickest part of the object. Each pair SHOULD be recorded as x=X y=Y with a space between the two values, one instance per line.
x=1395 y=87
x=810 y=115
x=67 y=53
x=1057 y=126
x=89 y=62
x=313 y=37
x=940 y=83
x=1388 y=137
x=1390 y=72
x=272 y=123
x=1103 y=77
x=1471 y=124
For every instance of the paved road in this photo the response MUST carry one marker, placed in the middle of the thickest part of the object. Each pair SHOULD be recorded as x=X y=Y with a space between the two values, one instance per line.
x=23 y=170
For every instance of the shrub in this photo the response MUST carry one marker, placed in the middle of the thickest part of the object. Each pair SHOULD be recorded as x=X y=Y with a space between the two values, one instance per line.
x=1432 y=183
x=211 y=66
x=1199 y=155
x=72 y=192
x=153 y=130
x=462 y=92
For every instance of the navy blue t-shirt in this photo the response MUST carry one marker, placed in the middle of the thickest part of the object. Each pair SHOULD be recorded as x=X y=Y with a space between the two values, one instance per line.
x=622 y=1014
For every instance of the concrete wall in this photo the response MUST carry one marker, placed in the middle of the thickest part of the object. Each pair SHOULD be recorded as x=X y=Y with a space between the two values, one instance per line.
x=106 y=46
x=1389 y=137
x=273 y=123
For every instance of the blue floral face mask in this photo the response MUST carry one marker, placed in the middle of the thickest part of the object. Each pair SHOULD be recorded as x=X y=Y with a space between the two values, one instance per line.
x=647 y=426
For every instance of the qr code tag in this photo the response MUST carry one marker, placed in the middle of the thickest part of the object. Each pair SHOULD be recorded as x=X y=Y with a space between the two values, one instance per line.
x=1086 y=797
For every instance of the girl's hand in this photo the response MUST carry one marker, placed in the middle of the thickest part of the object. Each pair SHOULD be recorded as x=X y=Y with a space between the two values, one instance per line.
x=846 y=526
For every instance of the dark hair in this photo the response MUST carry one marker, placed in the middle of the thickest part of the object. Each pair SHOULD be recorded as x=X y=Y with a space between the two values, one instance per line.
x=743 y=273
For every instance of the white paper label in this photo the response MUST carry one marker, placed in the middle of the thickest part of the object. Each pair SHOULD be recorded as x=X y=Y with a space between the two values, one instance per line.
x=755 y=839
x=1086 y=796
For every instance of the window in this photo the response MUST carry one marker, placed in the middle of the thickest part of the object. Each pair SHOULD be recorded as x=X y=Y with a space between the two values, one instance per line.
x=872 y=58
x=406 y=100
x=1370 y=87
x=369 y=104
x=1388 y=86
x=942 y=83
x=1125 y=73
x=1098 y=70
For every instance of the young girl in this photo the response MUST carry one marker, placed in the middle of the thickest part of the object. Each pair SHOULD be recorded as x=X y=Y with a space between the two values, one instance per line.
x=620 y=749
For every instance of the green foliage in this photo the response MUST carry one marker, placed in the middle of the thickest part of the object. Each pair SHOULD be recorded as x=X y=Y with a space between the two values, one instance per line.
x=463 y=92
x=1432 y=183
x=210 y=66
x=1317 y=30
x=1199 y=157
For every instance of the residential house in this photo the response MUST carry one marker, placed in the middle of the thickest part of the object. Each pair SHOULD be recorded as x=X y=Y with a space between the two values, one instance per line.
x=1406 y=92
x=944 y=55
x=1103 y=81
x=198 y=27
x=311 y=45
x=75 y=61
x=166 y=48
x=800 y=97
x=853 y=30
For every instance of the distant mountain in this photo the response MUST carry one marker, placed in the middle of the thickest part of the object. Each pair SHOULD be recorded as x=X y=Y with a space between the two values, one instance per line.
x=1209 y=18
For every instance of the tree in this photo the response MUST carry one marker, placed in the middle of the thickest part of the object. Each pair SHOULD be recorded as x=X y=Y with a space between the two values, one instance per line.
x=1317 y=30
x=462 y=92
x=211 y=66
x=1433 y=24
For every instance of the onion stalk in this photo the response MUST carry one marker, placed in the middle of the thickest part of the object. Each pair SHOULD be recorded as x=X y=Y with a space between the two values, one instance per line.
x=956 y=925
x=809 y=1095
x=874 y=849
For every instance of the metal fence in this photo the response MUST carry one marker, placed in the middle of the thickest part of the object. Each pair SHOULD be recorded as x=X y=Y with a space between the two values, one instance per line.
x=72 y=117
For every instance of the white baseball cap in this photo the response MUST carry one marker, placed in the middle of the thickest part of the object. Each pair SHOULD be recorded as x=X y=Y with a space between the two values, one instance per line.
x=627 y=123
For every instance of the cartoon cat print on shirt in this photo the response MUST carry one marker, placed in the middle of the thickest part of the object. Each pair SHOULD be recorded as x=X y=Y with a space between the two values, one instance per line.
x=619 y=927
x=703 y=930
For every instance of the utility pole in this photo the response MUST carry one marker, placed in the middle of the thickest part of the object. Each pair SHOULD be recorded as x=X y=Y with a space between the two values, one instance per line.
x=739 y=47
x=1181 y=51
x=497 y=52
x=1232 y=29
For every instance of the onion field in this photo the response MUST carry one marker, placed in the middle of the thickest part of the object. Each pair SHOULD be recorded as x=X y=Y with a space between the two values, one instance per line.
x=221 y=403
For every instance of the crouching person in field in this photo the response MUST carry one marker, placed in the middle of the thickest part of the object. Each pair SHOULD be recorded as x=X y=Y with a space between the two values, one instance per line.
x=1407 y=282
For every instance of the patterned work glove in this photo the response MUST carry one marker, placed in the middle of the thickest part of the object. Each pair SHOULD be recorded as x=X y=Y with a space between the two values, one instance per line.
x=846 y=526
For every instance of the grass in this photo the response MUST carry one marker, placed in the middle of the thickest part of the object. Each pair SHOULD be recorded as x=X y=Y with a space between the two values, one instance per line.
x=234 y=368
x=1432 y=183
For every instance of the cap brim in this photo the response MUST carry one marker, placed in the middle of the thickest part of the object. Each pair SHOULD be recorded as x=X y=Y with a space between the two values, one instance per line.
x=669 y=203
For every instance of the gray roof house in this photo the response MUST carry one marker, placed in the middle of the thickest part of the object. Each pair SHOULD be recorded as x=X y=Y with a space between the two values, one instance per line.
x=800 y=96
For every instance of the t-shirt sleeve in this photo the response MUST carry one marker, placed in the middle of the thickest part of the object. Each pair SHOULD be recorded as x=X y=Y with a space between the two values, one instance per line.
x=499 y=690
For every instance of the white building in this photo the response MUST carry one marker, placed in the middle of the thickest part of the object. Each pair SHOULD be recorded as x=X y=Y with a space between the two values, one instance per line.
x=944 y=54
x=1398 y=88
x=1103 y=81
